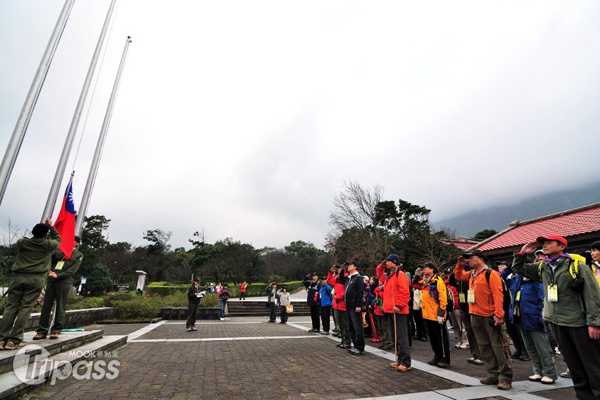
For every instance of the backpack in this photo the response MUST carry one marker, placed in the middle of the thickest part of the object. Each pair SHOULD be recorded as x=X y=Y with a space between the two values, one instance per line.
x=449 y=296
x=574 y=270
x=507 y=294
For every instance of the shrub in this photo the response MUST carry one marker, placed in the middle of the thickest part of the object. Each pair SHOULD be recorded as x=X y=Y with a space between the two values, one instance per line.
x=81 y=302
x=111 y=297
x=209 y=300
x=142 y=307
x=165 y=290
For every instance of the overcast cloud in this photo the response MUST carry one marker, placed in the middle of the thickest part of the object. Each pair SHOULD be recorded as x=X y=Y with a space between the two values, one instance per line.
x=245 y=118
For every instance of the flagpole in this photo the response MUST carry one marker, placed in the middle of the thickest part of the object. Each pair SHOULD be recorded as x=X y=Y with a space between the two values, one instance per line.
x=89 y=186
x=62 y=163
x=16 y=140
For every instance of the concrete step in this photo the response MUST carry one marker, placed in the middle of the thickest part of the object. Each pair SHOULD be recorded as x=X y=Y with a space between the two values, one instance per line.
x=33 y=365
x=65 y=341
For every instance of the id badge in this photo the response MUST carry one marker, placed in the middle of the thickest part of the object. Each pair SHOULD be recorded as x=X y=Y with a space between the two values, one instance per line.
x=552 y=293
x=59 y=265
x=471 y=296
x=461 y=298
x=518 y=296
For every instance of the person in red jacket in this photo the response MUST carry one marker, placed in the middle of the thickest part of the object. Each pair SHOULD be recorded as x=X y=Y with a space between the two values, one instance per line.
x=340 y=290
x=396 y=295
x=331 y=279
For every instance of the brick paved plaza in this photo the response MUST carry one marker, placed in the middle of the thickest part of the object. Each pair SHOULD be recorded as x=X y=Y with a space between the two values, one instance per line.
x=247 y=358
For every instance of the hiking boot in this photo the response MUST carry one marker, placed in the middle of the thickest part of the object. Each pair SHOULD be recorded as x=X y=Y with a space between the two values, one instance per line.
x=394 y=365
x=403 y=368
x=458 y=344
x=535 y=378
x=524 y=357
x=478 y=362
x=546 y=380
x=433 y=362
x=325 y=333
x=490 y=380
x=39 y=336
x=54 y=335
x=443 y=364
x=464 y=345
x=566 y=374
x=504 y=385
x=471 y=360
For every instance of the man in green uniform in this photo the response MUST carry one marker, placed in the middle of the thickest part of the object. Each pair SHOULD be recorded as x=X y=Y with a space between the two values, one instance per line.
x=571 y=306
x=29 y=271
x=57 y=291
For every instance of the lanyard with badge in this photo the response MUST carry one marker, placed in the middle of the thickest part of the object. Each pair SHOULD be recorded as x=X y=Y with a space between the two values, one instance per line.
x=471 y=291
x=552 y=289
x=59 y=265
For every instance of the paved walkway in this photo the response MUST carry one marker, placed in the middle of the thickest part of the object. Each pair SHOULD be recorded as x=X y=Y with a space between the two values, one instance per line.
x=247 y=358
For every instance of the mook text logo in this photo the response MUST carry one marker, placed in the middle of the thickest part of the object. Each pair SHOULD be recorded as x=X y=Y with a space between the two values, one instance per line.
x=32 y=365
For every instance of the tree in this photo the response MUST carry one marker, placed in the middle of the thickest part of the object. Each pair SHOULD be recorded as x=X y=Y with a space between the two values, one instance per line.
x=484 y=234
x=99 y=280
x=159 y=241
x=93 y=243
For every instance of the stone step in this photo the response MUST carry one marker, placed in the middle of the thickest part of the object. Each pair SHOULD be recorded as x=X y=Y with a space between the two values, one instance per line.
x=65 y=341
x=35 y=365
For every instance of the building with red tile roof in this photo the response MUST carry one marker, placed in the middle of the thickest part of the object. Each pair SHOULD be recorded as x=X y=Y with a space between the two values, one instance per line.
x=462 y=243
x=580 y=226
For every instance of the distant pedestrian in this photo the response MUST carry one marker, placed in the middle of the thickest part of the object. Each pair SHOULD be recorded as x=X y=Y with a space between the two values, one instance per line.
x=223 y=299
x=243 y=290
x=326 y=302
x=312 y=284
x=194 y=297
x=355 y=287
x=272 y=301
x=284 y=301
x=435 y=300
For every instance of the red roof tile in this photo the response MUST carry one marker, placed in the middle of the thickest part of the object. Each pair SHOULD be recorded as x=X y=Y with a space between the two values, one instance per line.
x=577 y=222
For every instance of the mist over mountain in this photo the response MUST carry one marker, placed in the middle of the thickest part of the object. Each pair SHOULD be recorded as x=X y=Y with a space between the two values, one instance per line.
x=499 y=217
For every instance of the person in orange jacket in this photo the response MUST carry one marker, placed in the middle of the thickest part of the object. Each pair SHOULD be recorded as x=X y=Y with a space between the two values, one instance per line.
x=434 y=300
x=396 y=295
x=485 y=297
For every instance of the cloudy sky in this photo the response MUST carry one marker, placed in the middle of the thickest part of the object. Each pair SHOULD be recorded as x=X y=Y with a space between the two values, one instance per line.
x=245 y=118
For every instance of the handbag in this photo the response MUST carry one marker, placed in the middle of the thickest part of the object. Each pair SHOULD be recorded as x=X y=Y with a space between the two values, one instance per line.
x=289 y=308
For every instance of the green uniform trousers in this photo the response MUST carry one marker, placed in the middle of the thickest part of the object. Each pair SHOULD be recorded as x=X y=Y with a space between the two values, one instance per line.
x=56 y=291
x=22 y=296
x=494 y=355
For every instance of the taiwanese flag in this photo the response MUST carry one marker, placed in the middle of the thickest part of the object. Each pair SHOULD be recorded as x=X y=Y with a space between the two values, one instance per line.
x=65 y=222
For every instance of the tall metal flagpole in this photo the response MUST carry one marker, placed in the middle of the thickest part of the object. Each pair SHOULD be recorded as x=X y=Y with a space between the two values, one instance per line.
x=12 y=151
x=89 y=186
x=64 y=158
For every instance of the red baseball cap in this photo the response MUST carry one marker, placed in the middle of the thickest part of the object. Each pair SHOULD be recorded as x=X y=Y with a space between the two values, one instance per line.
x=560 y=239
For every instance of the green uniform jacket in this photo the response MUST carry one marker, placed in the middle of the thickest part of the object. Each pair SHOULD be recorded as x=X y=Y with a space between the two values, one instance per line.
x=69 y=268
x=33 y=256
x=567 y=311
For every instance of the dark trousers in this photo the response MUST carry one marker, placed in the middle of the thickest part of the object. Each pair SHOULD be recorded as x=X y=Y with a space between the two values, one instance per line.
x=438 y=337
x=191 y=313
x=284 y=314
x=242 y=295
x=581 y=355
x=421 y=330
x=344 y=327
x=58 y=292
x=314 y=316
x=399 y=337
x=356 y=328
x=515 y=335
x=272 y=312
x=325 y=316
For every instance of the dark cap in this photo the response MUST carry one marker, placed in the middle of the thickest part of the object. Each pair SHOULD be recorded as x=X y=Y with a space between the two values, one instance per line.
x=502 y=263
x=429 y=265
x=477 y=253
x=40 y=230
x=557 y=238
x=393 y=258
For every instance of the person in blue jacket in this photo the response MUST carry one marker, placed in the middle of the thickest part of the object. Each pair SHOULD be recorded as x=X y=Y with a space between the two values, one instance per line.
x=526 y=313
x=326 y=301
x=520 y=352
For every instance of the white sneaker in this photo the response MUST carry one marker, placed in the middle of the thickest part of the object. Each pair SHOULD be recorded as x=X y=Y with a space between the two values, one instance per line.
x=222 y=319
x=457 y=345
x=464 y=345
x=547 y=380
x=557 y=351
x=536 y=378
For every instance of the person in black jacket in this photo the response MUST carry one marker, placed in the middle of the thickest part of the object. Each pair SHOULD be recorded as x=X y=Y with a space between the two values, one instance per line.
x=311 y=281
x=355 y=288
x=194 y=296
x=272 y=300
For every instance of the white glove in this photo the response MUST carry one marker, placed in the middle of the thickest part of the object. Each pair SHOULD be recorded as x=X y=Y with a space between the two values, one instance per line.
x=441 y=320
